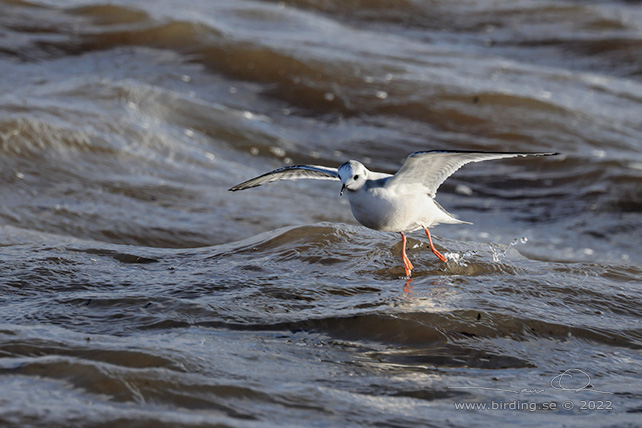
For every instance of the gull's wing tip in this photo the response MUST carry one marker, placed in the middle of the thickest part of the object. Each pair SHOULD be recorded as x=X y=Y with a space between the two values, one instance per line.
x=245 y=185
x=539 y=153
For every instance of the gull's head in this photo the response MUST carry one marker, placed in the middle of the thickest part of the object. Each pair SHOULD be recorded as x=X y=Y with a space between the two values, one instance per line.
x=353 y=176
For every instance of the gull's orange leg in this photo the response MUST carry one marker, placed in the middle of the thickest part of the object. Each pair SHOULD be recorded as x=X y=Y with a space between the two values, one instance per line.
x=432 y=247
x=406 y=261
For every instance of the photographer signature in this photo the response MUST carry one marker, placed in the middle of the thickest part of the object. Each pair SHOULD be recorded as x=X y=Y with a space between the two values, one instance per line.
x=569 y=380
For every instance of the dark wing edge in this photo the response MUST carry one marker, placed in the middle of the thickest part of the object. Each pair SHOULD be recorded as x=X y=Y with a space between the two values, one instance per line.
x=471 y=152
x=293 y=172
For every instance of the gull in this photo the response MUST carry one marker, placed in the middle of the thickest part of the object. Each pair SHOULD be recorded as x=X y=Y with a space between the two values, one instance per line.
x=401 y=203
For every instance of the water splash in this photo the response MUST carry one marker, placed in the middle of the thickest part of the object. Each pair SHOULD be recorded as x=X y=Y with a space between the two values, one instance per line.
x=460 y=259
x=499 y=252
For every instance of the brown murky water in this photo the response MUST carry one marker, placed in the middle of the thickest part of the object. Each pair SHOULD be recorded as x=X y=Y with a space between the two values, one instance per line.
x=137 y=291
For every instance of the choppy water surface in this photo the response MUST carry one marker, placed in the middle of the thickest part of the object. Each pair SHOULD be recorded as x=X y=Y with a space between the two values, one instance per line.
x=137 y=291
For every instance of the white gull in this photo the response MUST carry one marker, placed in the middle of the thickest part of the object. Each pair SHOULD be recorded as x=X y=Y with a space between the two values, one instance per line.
x=403 y=202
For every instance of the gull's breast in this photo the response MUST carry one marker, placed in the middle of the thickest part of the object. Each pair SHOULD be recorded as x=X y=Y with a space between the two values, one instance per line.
x=379 y=209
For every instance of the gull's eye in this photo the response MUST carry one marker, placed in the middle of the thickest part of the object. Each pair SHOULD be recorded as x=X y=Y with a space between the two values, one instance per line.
x=355 y=178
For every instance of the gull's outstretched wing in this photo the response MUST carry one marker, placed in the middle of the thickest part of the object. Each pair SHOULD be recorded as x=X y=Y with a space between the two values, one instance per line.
x=431 y=168
x=293 y=172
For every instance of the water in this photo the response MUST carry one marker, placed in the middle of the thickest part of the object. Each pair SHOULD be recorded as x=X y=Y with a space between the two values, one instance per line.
x=138 y=291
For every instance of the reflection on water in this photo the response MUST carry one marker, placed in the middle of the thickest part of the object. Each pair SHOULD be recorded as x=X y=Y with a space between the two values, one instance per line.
x=137 y=290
